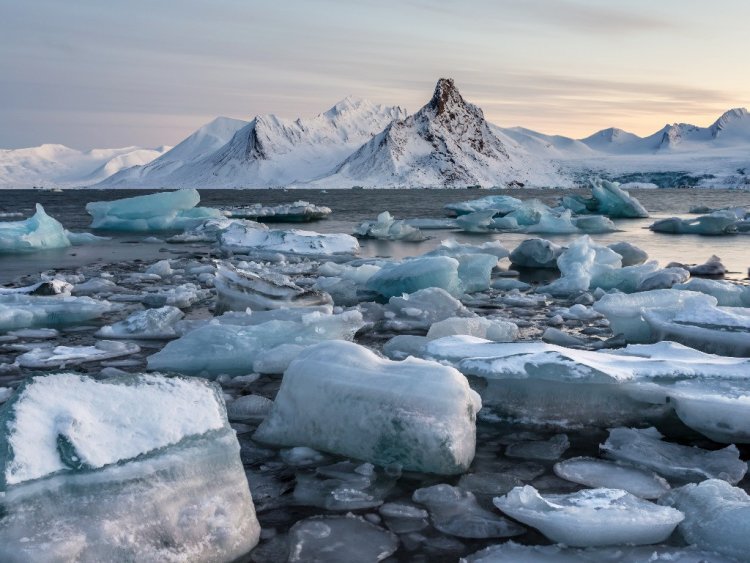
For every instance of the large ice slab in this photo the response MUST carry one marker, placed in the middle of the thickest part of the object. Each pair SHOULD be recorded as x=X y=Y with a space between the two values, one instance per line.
x=215 y=348
x=142 y=468
x=592 y=517
x=342 y=398
x=30 y=311
x=608 y=474
x=38 y=232
x=162 y=211
x=412 y=275
x=717 y=516
x=243 y=238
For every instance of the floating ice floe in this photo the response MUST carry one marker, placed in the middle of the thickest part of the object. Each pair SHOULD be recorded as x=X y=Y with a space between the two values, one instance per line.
x=456 y=512
x=214 y=348
x=536 y=253
x=297 y=212
x=238 y=289
x=162 y=211
x=594 y=472
x=211 y=230
x=27 y=311
x=502 y=204
x=704 y=225
x=711 y=267
x=142 y=468
x=38 y=232
x=645 y=448
x=592 y=517
x=608 y=198
x=66 y=356
x=244 y=238
x=151 y=324
x=717 y=516
x=388 y=228
x=417 y=414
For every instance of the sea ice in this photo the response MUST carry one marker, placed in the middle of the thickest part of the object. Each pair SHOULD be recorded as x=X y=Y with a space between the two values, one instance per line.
x=419 y=414
x=536 y=253
x=711 y=267
x=162 y=211
x=418 y=311
x=456 y=512
x=38 y=232
x=136 y=468
x=645 y=448
x=595 y=224
x=478 y=221
x=592 y=517
x=215 y=348
x=609 y=474
x=151 y=324
x=180 y=296
x=388 y=228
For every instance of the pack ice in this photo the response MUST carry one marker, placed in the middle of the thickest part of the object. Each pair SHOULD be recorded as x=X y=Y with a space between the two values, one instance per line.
x=38 y=232
x=162 y=211
x=341 y=398
x=134 y=468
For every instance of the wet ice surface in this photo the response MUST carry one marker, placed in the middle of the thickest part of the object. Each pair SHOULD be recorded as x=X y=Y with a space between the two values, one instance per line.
x=167 y=307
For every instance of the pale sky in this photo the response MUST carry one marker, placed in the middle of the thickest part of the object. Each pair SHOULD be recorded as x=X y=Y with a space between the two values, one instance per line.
x=99 y=73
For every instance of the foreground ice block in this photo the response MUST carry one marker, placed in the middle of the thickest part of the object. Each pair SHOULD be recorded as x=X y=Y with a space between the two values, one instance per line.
x=717 y=516
x=162 y=211
x=592 y=517
x=137 y=468
x=38 y=232
x=215 y=348
x=342 y=398
x=31 y=311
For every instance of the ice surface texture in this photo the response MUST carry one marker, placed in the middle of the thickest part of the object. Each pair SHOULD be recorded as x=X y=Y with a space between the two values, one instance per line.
x=38 y=232
x=139 y=468
x=342 y=398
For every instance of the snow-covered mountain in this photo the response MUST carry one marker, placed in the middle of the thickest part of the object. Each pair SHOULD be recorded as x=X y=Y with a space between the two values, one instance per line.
x=60 y=166
x=271 y=151
x=447 y=142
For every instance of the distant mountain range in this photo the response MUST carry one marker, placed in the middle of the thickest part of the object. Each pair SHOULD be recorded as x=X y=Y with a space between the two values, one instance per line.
x=447 y=143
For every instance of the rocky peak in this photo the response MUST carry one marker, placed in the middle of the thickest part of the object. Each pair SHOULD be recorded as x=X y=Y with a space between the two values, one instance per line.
x=446 y=99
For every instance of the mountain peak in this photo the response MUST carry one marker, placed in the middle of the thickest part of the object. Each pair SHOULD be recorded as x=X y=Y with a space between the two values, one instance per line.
x=446 y=96
x=727 y=118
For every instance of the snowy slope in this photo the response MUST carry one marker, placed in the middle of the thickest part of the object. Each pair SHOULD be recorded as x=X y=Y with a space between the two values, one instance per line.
x=60 y=166
x=446 y=143
x=271 y=151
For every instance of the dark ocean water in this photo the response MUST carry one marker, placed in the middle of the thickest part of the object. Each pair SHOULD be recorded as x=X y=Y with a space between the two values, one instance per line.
x=350 y=207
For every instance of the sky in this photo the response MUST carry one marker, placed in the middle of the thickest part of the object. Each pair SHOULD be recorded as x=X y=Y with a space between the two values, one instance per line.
x=105 y=74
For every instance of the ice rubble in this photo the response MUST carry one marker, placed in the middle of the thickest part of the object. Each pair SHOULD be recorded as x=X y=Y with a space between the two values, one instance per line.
x=342 y=398
x=245 y=237
x=645 y=448
x=595 y=473
x=151 y=324
x=388 y=228
x=297 y=212
x=717 y=516
x=162 y=211
x=27 y=311
x=237 y=289
x=232 y=349
x=140 y=467
x=38 y=232
x=592 y=517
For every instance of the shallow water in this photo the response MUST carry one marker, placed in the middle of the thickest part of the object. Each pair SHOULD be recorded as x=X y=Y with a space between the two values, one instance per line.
x=351 y=207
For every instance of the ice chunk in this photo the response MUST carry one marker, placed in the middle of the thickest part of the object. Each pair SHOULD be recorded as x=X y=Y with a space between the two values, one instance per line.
x=45 y=287
x=625 y=313
x=339 y=539
x=645 y=448
x=403 y=518
x=599 y=473
x=663 y=279
x=141 y=468
x=388 y=228
x=608 y=198
x=495 y=330
x=478 y=221
x=712 y=267
x=249 y=407
x=424 y=419
x=162 y=268
x=456 y=512
x=215 y=348
x=402 y=346
x=240 y=237
x=79 y=239
x=591 y=518
x=501 y=204
x=239 y=289
x=455 y=249
x=211 y=230
x=631 y=254
x=62 y=356
x=488 y=484
x=550 y=223
x=180 y=296
x=703 y=225
x=151 y=324
x=161 y=211
x=717 y=516
x=595 y=224
x=419 y=273
x=421 y=309
x=580 y=264
x=297 y=212
x=38 y=232
x=726 y=293
x=536 y=253
x=24 y=311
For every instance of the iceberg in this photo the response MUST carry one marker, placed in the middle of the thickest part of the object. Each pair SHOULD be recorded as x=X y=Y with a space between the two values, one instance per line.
x=161 y=211
x=579 y=265
x=246 y=238
x=388 y=228
x=592 y=517
x=340 y=397
x=297 y=212
x=501 y=204
x=609 y=474
x=136 y=468
x=151 y=324
x=595 y=224
x=410 y=276
x=645 y=448
x=717 y=516
x=704 y=225
x=214 y=348
x=38 y=232
x=609 y=199
x=536 y=253
x=631 y=254
x=27 y=311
